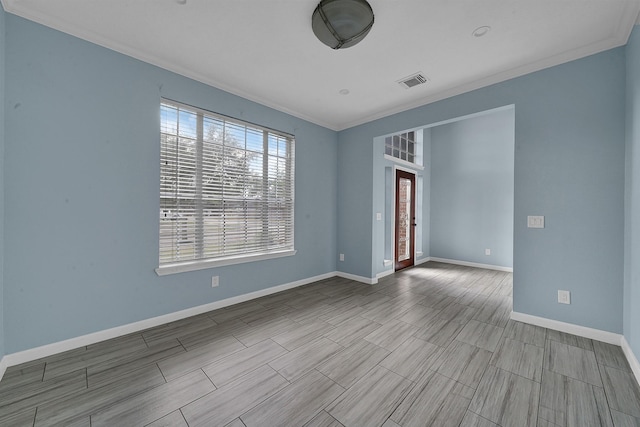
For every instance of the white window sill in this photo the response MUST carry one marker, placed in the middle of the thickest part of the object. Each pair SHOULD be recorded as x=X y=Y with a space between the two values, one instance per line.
x=181 y=267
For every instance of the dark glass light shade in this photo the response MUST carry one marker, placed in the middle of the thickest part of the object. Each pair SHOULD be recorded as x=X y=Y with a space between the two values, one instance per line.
x=342 y=23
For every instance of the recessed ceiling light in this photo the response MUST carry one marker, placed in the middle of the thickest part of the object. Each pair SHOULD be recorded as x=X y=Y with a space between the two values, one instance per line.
x=481 y=31
x=344 y=92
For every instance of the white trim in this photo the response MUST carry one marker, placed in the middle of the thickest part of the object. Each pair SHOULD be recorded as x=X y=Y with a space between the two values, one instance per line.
x=570 y=328
x=387 y=262
x=384 y=274
x=631 y=358
x=422 y=260
x=181 y=267
x=472 y=264
x=95 y=337
x=3 y=367
x=406 y=164
x=367 y=280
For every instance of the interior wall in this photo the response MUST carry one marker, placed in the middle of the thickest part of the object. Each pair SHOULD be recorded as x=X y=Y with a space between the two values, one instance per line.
x=569 y=167
x=2 y=168
x=472 y=189
x=632 y=196
x=82 y=201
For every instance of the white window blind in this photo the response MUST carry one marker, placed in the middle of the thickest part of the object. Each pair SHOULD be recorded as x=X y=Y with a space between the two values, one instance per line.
x=226 y=187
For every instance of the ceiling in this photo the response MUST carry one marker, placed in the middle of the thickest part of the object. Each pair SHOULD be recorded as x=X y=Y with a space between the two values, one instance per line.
x=265 y=50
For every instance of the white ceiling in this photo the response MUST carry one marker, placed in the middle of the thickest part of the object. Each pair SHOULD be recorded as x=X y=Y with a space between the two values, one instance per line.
x=264 y=50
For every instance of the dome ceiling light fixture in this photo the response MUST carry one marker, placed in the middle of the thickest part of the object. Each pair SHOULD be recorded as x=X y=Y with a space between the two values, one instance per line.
x=342 y=23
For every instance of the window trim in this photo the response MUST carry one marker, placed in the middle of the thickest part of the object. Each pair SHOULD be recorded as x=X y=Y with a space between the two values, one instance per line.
x=206 y=263
x=203 y=264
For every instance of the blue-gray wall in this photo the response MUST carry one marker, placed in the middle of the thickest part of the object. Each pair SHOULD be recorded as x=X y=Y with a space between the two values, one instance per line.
x=82 y=191
x=632 y=197
x=472 y=189
x=569 y=166
x=2 y=167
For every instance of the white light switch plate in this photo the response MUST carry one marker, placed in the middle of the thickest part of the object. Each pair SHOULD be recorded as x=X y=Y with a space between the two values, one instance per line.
x=564 y=297
x=534 y=221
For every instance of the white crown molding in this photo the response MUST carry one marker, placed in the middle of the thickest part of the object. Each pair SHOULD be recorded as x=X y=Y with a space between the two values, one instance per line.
x=472 y=264
x=630 y=16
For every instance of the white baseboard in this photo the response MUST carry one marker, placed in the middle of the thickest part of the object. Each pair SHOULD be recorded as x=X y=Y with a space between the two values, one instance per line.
x=570 y=328
x=472 y=264
x=95 y=337
x=385 y=274
x=631 y=358
x=422 y=260
x=367 y=280
x=3 y=366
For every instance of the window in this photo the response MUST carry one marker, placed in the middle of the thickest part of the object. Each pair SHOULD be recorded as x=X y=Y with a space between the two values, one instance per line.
x=226 y=190
x=401 y=146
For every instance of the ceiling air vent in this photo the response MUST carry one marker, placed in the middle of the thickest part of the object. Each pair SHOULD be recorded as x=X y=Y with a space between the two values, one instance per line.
x=413 y=80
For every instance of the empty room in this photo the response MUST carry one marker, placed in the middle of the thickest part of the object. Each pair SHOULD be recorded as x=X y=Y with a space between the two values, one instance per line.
x=320 y=213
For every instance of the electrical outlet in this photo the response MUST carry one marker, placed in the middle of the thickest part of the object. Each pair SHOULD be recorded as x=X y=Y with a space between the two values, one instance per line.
x=341 y=257
x=564 y=297
x=215 y=281
x=535 y=221
x=487 y=251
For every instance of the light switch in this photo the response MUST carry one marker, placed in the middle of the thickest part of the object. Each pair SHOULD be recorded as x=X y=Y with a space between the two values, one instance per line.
x=535 y=221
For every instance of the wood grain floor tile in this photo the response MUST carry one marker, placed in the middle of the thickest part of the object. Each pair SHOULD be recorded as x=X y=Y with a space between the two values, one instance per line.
x=371 y=400
x=572 y=361
x=473 y=420
x=234 y=399
x=506 y=399
x=341 y=314
x=173 y=330
x=295 y=404
x=434 y=401
x=526 y=333
x=352 y=363
x=298 y=362
x=610 y=355
x=323 y=419
x=419 y=315
x=174 y=419
x=19 y=419
x=244 y=361
x=27 y=396
x=260 y=332
x=236 y=423
x=194 y=359
x=481 y=335
x=463 y=362
x=391 y=335
x=193 y=339
x=519 y=358
x=566 y=401
x=570 y=339
x=624 y=420
x=623 y=392
x=413 y=358
x=155 y=403
x=439 y=332
x=302 y=334
x=82 y=403
x=352 y=330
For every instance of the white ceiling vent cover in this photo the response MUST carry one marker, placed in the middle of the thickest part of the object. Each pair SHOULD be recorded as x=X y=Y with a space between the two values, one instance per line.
x=413 y=80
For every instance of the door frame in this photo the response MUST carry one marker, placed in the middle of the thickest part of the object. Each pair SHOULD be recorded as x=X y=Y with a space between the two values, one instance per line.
x=393 y=211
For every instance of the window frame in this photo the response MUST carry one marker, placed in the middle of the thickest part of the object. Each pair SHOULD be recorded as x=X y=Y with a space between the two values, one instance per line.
x=199 y=263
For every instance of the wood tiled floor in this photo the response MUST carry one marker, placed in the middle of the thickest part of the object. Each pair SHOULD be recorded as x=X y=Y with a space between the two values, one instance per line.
x=432 y=345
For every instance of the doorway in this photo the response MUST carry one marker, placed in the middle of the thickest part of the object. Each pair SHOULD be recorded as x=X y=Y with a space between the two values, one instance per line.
x=405 y=214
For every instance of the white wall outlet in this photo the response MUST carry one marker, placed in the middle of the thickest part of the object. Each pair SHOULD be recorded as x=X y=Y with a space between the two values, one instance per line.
x=341 y=257
x=564 y=297
x=535 y=221
x=215 y=281
x=378 y=216
x=487 y=251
